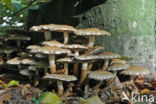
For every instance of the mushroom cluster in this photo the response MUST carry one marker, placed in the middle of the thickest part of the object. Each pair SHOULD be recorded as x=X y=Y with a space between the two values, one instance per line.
x=79 y=61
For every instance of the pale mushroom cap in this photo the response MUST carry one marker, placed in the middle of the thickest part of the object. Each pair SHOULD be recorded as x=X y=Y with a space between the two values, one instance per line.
x=53 y=50
x=28 y=61
x=108 y=55
x=19 y=37
x=75 y=47
x=7 y=50
x=26 y=72
x=86 y=58
x=53 y=43
x=14 y=61
x=33 y=47
x=100 y=75
x=61 y=77
x=33 y=68
x=65 y=60
x=35 y=28
x=63 y=28
x=117 y=66
x=113 y=61
x=135 y=70
x=40 y=55
x=91 y=32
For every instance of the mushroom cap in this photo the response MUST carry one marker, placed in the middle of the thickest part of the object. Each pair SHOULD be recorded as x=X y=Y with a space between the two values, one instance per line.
x=61 y=77
x=52 y=50
x=65 y=60
x=76 y=47
x=108 y=55
x=100 y=75
x=32 y=68
x=83 y=58
x=113 y=61
x=53 y=43
x=35 y=28
x=40 y=55
x=14 y=61
x=42 y=64
x=135 y=70
x=33 y=47
x=95 y=50
x=19 y=37
x=42 y=28
x=70 y=85
x=28 y=61
x=8 y=50
x=117 y=66
x=91 y=32
x=63 y=28
x=26 y=72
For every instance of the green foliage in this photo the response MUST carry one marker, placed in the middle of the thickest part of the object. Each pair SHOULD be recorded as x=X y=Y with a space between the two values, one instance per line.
x=14 y=13
x=47 y=98
x=11 y=83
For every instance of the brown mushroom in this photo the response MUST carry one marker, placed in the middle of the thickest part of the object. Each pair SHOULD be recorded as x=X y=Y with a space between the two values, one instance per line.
x=91 y=32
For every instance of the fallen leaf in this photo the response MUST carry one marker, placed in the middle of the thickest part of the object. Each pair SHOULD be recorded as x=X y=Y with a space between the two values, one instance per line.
x=5 y=95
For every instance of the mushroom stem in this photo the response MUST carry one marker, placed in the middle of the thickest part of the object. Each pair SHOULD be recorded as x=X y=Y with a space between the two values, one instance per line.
x=132 y=82
x=47 y=35
x=66 y=35
x=105 y=66
x=66 y=68
x=76 y=53
x=76 y=65
x=91 y=41
x=84 y=72
x=60 y=88
x=18 y=43
x=52 y=64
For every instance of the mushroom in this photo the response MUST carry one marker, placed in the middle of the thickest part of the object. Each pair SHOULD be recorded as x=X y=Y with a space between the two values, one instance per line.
x=100 y=75
x=60 y=78
x=65 y=29
x=70 y=87
x=7 y=51
x=76 y=48
x=19 y=39
x=84 y=59
x=53 y=43
x=51 y=51
x=113 y=61
x=66 y=61
x=91 y=32
x=15 y=61
x=26 y=72
x=95 y=50
x=133 y=71
x=33 y=47
x=28 y=61
x=107 y=56
x=43 y=28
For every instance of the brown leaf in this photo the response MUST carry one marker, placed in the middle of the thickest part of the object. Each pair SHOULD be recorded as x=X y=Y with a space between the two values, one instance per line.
x=5 y=95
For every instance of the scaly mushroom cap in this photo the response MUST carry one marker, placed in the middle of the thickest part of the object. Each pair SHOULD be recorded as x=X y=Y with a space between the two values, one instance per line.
x=53 y=50
x=27 y=61
x=65 y=60
x=33 y=47
x=61 y=77
x=117 y=66
x=100 y=75
x=53 y=43
x=83 y=58
x=8 y=50
x=95 y=50
x=63 y=28
x=19 y=37
x=14 y=61
x=75 y=47
x=113 y=61
x=135 y=70
x=108 y=55
x=91 y=32
x=42 y=28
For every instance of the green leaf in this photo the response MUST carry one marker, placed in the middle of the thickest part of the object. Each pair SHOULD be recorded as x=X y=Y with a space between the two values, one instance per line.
x=11 y=83
x=49 y=98
x=8 y=4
